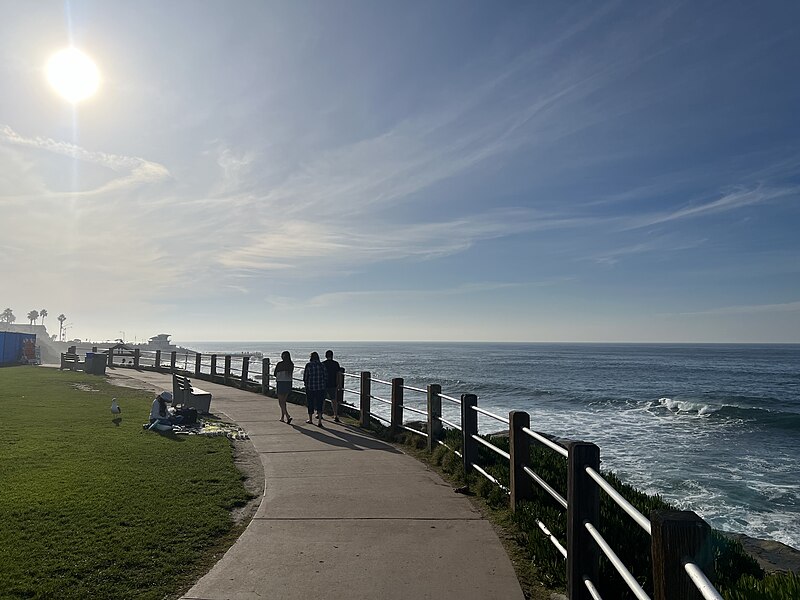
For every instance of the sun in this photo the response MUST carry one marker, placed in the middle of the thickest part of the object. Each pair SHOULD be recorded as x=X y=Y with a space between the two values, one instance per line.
x=73 y=74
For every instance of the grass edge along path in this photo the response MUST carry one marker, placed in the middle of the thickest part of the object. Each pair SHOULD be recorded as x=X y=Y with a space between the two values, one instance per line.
x=97 y=510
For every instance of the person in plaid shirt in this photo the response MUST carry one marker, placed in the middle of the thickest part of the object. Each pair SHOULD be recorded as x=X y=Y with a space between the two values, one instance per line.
x=315 y=379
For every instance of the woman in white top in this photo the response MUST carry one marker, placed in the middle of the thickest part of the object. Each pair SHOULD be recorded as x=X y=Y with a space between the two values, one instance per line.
x=160 y=415
x=283 y=378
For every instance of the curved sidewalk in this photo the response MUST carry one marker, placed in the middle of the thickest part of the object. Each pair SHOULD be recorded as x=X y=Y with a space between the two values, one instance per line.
x=347 y=516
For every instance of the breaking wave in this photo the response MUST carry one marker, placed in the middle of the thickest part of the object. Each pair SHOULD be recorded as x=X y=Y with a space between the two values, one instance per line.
x=763 y=416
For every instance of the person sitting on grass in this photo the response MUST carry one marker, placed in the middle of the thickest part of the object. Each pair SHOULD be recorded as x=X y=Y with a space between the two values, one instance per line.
x=161 y=413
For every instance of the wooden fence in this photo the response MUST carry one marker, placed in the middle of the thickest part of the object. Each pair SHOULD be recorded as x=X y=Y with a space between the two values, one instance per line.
x=682 y=565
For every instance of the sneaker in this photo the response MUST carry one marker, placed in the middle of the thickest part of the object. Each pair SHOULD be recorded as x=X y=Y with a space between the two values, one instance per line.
x=288 y=420
x=336 y=420
x=308 y=421
x=319 y=422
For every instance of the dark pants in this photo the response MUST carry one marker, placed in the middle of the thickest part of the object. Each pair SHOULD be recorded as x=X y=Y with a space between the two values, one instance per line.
x=315 y=399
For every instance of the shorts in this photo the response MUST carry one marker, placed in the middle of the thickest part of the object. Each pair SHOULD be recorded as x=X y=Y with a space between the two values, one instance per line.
x=283 y=387
x=330 y=393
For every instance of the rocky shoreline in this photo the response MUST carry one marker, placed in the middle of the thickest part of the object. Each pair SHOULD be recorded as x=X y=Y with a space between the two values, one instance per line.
x=772 y=556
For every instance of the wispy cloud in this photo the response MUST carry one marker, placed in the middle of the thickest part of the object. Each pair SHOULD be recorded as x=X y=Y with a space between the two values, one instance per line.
x=661 y=245
x=132 y=170
x=345 y=297
x=732 y=200
x=235 y=166
x=298 y=243
x=333 y=206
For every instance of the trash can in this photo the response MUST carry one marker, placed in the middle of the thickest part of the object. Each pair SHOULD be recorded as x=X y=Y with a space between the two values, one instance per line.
x=95 y=363
x=99 y=362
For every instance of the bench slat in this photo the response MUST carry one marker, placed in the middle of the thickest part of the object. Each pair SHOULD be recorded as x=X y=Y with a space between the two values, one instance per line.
x=190 y=395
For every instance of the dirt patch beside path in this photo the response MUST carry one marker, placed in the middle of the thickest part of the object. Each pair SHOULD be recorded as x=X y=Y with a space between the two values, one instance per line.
x=248 y=461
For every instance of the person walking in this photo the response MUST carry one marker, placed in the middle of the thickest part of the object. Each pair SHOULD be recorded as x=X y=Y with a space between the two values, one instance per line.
x=315 y=381
x=332 y=370
x=283 y=383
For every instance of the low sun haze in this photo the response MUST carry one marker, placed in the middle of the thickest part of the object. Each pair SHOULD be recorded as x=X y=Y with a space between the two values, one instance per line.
x=455 y=170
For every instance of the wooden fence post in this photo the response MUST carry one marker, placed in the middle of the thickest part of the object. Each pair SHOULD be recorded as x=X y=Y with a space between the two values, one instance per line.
x=227 y=373
x=265 y=375
x=397 y=404
x=521 y=485
x=366 y=392
x=156 y=363
x=245 y=369
x=434 y=415
x=137 y=355
x=198 y=362
x=110 y=357
x=583 y=498
x=469 y=427
x=213 y=371
x=172 y=358
x=678 y=537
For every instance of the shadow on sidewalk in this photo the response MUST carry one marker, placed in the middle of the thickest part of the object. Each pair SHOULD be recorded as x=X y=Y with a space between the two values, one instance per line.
x=351 y=439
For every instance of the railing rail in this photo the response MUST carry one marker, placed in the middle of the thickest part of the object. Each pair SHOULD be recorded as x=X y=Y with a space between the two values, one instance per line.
x=617 y=563
x=701 y=582
x=677 y=537
x=634 y=514
x=415 y=389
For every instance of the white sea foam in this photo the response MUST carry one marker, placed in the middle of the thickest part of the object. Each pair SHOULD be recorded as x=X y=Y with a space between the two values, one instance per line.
x=685 y=406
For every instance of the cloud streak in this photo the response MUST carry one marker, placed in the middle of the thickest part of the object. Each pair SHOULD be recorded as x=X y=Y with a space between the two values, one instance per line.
x=133 y=171
x=344 y=297
x=732 y=200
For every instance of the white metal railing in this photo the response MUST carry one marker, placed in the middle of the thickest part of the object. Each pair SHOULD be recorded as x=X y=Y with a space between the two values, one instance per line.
x=701 y=582
x=638 y=517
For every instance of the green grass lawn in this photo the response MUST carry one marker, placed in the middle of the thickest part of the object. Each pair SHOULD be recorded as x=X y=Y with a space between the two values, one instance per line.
x=89 y=509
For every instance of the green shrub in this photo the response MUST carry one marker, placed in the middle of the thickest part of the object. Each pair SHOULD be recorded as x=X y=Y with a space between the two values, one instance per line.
x=775 y=586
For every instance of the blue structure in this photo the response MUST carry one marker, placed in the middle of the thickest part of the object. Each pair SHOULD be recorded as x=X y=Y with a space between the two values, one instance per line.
x=17 y=348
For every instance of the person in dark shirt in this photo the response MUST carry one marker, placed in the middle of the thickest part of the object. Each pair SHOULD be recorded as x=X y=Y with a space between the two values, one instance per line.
x=333 y=369
x=315 y=381
x=283 y=383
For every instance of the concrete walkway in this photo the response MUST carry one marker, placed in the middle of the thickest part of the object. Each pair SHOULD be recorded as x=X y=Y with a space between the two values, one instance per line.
x=347 y=516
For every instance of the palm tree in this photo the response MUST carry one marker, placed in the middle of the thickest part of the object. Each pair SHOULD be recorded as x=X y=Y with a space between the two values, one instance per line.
x=8 y=316
x=33 y=315
x=61 y=319
x=43 y=314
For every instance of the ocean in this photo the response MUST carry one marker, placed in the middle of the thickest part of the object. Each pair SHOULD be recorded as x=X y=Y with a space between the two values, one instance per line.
x=711 y=428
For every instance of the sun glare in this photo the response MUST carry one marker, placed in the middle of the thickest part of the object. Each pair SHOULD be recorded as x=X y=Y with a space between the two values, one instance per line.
x=73 y=74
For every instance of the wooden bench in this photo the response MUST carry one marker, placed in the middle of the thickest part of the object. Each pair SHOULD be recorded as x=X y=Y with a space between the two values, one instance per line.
x=70 y=360
x=185 y=394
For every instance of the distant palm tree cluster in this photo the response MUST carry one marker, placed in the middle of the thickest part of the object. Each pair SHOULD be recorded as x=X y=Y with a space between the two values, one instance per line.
x=7 y=316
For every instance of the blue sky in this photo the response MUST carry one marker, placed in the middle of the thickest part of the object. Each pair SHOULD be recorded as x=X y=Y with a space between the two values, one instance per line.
x=531 y=171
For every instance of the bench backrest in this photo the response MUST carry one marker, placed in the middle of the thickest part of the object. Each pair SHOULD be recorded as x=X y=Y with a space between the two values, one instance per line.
x=181 y=386
x=183 y=383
